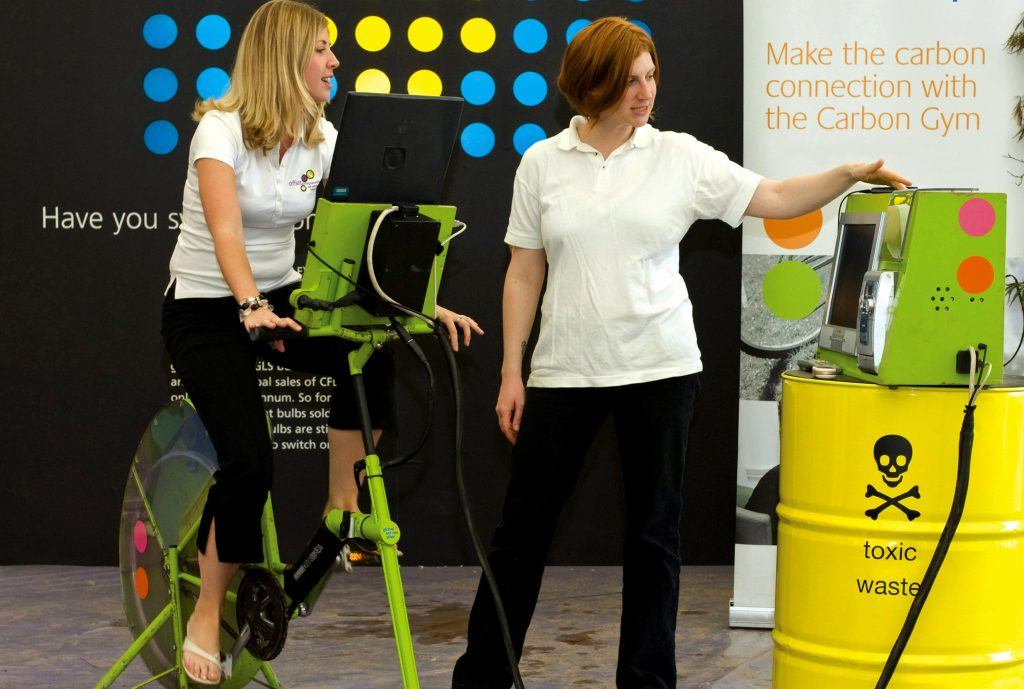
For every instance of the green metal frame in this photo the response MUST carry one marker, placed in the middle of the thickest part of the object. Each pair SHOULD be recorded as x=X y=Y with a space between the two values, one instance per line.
x=172 y=613
x=338 y=236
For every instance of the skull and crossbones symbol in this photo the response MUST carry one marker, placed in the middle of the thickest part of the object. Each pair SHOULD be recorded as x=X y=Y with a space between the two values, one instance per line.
x=892 y=457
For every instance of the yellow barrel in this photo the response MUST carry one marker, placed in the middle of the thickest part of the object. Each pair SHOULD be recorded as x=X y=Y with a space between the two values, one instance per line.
x=866 y=484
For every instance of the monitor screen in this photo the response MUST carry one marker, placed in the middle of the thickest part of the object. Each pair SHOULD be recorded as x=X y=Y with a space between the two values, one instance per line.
x=393 y=148
x=853 y=261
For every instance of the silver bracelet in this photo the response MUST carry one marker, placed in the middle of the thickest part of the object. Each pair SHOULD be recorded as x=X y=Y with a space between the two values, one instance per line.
x=250 y=304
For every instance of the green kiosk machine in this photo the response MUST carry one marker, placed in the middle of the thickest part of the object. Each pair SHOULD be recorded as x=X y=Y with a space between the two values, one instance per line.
x=915 y=272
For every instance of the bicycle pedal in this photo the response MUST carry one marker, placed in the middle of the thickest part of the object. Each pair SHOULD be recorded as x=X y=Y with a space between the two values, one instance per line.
x=343 y=562
x=231 y=657
x=365 y=553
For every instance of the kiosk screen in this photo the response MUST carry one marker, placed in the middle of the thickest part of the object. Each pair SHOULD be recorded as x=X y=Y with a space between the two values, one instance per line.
x=853 y=261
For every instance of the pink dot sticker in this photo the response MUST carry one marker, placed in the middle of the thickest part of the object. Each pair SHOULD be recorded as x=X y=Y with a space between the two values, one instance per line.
x=140 y=536
x=977 y=217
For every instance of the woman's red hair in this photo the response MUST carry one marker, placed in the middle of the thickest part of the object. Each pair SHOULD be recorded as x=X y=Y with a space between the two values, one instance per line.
x=596 y=65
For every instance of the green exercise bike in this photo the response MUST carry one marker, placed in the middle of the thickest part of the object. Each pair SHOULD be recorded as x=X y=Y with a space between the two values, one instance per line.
x=364 y=262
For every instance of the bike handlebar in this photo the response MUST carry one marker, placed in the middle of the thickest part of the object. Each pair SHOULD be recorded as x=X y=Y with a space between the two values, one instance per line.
x=376 y=332
x=260 y=334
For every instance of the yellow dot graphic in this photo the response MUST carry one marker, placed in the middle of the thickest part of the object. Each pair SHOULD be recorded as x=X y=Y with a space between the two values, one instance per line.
x=373 y=81
x=477 y=35
x=332 y=31
x=425 y=34
x=424 y=83
x=373 y=34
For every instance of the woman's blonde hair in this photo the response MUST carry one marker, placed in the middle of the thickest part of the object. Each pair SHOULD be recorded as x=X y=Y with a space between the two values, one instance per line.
x=268 y=88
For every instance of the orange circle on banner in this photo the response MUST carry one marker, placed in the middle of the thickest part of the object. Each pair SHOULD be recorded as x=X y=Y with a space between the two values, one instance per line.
x=975 y=274
x=795 y=233
x=141 y=583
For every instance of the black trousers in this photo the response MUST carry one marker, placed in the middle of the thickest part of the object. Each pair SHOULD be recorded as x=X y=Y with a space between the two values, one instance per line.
x=558 y=426
x=212 y=353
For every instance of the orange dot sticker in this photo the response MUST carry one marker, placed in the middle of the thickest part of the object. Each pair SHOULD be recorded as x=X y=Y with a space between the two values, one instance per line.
x=141 y=583
x=975 y=274
x=140 y=536
x=795 y=233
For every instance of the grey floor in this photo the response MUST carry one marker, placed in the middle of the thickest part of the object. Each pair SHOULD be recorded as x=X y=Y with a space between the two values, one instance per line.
x=62 y=627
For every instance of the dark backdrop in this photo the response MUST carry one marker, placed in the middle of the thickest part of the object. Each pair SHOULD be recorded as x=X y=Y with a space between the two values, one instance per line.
x=82 y=360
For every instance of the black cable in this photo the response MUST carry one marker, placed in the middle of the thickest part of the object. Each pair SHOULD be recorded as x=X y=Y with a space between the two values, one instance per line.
x=499 y=609
x=842 y=202
x=417 y=351
x=981 y=371
x=956 y=511
x=346 y=278
x=410 y=311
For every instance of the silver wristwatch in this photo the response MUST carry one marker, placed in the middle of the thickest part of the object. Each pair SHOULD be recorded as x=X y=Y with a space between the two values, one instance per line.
x=250 y=304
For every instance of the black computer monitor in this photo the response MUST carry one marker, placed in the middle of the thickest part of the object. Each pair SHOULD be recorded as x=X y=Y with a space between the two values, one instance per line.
x=393 y=148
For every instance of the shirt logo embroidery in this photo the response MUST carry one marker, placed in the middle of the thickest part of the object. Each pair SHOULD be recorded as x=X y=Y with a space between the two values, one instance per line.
x=304 y=183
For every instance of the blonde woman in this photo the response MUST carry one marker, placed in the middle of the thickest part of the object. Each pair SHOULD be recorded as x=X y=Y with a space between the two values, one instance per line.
x=254 y=163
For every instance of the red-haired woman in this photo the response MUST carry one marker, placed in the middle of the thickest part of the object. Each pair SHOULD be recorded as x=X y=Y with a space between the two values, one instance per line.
x=600 y=210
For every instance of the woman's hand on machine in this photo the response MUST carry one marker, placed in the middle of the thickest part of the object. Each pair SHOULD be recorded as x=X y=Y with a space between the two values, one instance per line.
x=265 y=318
x=511 y=400
x=454 y=322
x=876 y=173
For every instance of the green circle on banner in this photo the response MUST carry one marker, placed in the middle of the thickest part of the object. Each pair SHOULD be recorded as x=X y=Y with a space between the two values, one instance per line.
x=791 y=290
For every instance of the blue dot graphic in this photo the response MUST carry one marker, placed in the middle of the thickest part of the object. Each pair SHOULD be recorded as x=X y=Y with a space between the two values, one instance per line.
x=334 y=87
x=161 y=137
x=530 y=36
x=212 y=82
x=527 y=135
x=575 y=28
x=213 y=32
x=159 y=31
x=477 y=88
x=643 y=25
x=477 y=139
x=529 y=88
x=160 y=84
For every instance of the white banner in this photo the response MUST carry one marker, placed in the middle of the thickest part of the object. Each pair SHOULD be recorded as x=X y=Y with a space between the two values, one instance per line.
x=925 y=84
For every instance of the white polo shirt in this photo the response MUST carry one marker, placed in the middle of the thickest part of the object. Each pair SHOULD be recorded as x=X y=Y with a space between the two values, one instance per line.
x=616 y=310
x=273 y=193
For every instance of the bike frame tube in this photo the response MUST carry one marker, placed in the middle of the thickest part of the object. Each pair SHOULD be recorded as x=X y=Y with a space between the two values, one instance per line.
x=387 y=538
x=271 y=553
x=268 y=672
x=356 y=360
x=379 y=526
x=149 y=509
x=128 y=656
x=177 y=621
